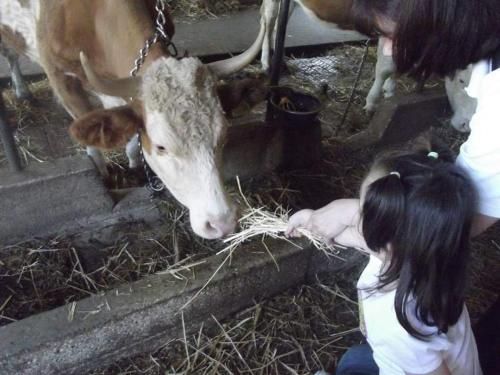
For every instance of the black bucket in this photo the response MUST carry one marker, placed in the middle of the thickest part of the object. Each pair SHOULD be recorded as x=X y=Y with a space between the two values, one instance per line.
x=297 y=112
x=293 y=108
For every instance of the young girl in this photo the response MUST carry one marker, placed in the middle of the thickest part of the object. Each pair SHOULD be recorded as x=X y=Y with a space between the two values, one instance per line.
x=437 y=37
x=414 y=218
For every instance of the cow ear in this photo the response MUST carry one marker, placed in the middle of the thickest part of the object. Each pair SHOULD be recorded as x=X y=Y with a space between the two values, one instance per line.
x=107 y=129
x=245 y=93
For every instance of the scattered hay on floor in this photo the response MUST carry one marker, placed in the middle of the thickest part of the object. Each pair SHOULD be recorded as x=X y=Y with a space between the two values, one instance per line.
x=40 y=275
x=28 y=118
x=298 y=332
x=200 y=9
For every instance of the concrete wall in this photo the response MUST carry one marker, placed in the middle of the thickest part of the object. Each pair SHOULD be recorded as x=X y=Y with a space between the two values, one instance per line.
x=141 y=316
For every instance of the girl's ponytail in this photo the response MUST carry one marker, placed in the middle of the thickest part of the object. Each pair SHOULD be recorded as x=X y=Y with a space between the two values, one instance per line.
x=383 y=208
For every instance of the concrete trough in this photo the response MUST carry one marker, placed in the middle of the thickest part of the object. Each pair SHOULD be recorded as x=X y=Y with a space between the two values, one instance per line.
x=65 y=196
x=143 y=315
x=402 y=118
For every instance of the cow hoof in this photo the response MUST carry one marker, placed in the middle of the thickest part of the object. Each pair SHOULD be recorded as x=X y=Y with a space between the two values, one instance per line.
x=102 y=169
x=104 y=172
x=370 y=108
x=133 y=164
x=388 y=94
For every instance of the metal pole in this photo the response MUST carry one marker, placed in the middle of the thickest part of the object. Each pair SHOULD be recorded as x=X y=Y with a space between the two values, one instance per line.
x=279 y=49
x=9 y=144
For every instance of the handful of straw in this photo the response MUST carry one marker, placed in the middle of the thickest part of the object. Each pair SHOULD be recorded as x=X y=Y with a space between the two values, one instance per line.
x=259 y=222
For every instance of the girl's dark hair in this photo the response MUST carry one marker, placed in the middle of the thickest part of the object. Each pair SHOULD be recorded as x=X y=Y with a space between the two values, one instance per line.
x=434 y=36
x=423 y=218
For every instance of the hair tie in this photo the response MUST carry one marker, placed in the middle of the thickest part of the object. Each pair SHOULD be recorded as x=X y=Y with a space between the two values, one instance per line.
x=395 y=174
x=433 y=155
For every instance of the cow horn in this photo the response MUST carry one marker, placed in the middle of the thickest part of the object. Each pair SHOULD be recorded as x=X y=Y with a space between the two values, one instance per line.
x=234 y=64
x=121 y=87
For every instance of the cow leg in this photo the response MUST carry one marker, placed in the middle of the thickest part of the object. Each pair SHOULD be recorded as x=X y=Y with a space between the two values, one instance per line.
x=98 y=159
x=384 y=81
x=77 y=102
x=133 y=152
x=269 y=15
x=389 y=87
x=20 y=87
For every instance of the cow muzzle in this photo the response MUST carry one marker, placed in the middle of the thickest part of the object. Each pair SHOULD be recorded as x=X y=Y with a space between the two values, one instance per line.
x=213 y=226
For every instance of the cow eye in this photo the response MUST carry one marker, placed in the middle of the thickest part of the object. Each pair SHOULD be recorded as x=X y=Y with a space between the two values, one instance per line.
x=161 y=149
x=461 y=81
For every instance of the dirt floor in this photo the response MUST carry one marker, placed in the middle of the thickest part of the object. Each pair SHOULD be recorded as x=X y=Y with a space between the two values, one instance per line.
x=298 y=332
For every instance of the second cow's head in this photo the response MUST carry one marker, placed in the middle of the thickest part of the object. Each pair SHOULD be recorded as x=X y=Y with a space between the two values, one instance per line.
x=181 y=119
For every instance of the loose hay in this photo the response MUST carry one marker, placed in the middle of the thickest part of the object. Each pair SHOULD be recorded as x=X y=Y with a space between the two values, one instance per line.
x=298 y=332
x=258 y=222
x=193 y=10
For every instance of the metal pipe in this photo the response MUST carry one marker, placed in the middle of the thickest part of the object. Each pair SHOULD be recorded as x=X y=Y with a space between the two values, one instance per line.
x=279 y=50
x=8 y=141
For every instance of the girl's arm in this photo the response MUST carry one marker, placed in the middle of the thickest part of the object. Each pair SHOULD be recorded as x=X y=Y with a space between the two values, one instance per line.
x=441 y=370
x=351 y=237
x=328 y=221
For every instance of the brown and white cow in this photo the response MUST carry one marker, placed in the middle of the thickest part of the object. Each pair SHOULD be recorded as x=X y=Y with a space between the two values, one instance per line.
x=87 y=49
x=337 y=14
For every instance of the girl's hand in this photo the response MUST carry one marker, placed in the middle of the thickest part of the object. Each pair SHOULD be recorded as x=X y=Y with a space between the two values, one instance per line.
x=298 y=220
x=334 y=218
x=327 y=222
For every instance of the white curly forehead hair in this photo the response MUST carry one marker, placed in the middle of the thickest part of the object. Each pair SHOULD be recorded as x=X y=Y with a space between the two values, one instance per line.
x=182 y=95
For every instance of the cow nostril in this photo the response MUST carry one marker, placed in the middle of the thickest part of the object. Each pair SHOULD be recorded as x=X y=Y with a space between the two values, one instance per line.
x=211 y=228
x=218 y=228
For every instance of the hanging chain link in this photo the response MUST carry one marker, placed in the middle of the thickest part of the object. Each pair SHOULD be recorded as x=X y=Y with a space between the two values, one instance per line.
x=155 y=185
x=159 y=35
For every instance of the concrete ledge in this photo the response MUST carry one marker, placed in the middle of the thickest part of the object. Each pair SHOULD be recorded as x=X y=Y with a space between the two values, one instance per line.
x=256 y=147
x=402 y=118
x=143 y=315
x=252 y=149
x=64 y=196
x=50 y=197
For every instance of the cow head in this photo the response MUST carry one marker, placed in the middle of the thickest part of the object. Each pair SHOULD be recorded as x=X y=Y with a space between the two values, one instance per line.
x=182 y=125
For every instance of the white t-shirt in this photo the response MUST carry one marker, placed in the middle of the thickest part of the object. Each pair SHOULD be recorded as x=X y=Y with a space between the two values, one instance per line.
x=480 y=154
x=395 y=351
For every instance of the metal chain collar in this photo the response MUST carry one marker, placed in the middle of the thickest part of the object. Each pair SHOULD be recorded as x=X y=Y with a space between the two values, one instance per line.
x=155 y=185
x=159 y=35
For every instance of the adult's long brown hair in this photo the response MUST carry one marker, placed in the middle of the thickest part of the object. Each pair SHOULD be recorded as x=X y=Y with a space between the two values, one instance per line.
x=434 y=36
